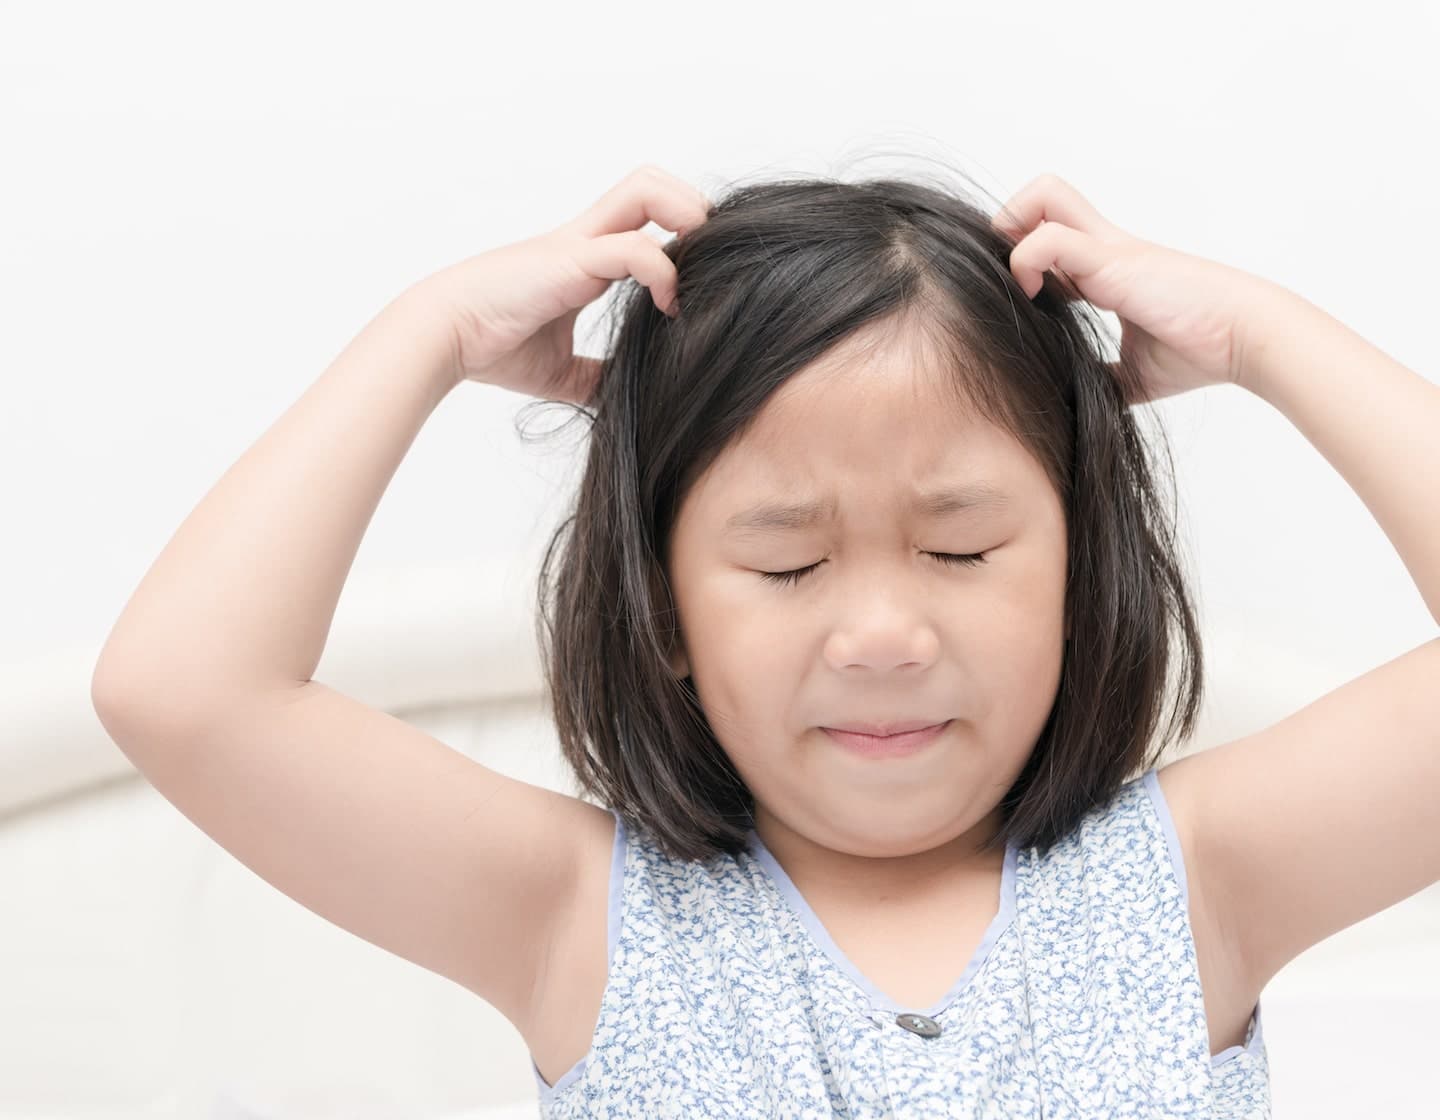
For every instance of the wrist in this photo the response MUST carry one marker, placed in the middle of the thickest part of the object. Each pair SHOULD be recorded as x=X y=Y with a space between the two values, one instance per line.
x=423 y=314
x=1272 y=311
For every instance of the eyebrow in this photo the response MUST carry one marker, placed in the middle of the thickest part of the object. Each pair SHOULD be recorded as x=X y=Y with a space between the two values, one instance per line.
x=778 y=517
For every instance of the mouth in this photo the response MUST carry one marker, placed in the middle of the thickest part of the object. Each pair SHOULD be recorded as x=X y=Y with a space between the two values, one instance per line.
x=887 y=746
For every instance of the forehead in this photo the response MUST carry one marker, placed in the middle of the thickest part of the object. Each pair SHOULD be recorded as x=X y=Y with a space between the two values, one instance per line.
x=876 y=426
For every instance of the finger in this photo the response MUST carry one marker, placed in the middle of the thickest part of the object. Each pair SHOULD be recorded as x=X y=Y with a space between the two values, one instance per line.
x=1049 y=198
x=1057 y=246
x=632 y=253
x=647 y=194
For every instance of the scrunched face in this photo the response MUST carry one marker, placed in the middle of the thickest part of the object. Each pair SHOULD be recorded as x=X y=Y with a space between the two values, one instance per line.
x=873 y=625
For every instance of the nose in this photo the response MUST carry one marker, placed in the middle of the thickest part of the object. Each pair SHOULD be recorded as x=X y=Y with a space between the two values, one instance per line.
x=886 y=638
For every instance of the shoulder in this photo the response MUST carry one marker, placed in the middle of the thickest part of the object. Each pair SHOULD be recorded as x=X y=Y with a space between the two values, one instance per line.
x=1144 y=827
x=567 y=961
x=600 y=836
x=1213 y=919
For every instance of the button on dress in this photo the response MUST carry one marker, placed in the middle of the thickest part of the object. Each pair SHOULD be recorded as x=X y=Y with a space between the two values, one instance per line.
x=726 y=997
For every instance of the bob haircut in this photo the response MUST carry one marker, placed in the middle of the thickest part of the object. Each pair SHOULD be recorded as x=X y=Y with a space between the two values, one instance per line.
x=779 y=273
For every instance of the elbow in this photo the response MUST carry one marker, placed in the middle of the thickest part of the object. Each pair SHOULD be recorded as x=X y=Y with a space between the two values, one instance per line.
x=117 y=685
x=107 y=690
x=117 y=699
x=139 y=710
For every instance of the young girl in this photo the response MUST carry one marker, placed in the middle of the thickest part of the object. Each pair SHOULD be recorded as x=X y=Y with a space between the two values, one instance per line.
x=861 y=637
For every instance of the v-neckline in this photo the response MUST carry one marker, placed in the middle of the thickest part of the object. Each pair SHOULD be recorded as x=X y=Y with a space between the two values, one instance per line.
x=881 y=1000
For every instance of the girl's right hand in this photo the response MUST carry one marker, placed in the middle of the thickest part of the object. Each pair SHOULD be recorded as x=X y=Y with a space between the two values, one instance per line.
x=513 y=309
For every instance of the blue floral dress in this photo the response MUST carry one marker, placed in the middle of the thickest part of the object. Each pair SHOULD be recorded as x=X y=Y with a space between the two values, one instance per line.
x=726 y=998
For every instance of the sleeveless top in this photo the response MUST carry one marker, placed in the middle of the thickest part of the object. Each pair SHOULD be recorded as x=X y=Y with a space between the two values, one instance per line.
x=727 y=998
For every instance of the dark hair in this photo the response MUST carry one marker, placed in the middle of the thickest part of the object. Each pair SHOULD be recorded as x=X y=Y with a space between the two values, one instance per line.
x=780 y=273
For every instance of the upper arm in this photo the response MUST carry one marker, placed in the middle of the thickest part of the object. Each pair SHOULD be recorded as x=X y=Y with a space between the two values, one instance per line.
x=375 y=826
x=1326 y=817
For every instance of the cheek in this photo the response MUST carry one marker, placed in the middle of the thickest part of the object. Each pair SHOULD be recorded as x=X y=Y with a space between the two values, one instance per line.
x=749 y=677
x=747 y=680
x=1024 y=687
x=738 y=620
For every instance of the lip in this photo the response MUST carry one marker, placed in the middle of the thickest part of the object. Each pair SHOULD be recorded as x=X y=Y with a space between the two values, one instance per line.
x=885 y=727
x=887 y=746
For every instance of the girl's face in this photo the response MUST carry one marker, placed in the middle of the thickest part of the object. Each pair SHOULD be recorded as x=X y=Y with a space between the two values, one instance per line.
x=881 y=630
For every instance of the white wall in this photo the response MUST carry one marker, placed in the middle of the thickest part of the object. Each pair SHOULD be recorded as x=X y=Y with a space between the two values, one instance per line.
x=199 y=211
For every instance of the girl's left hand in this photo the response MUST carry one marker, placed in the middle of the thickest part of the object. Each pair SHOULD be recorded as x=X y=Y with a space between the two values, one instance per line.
x=1183 y=318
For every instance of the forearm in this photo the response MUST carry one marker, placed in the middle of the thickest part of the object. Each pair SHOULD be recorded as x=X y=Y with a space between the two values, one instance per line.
x=243 y=596
x=1374 y=420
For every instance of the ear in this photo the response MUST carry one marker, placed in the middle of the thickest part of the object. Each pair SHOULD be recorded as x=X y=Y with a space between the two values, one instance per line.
x=679 y=663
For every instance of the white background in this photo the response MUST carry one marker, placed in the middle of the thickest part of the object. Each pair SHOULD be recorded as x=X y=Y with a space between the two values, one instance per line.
x=203 y=205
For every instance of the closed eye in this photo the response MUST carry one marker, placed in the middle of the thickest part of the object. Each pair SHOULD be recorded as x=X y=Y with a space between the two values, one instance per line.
x=794 y=577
